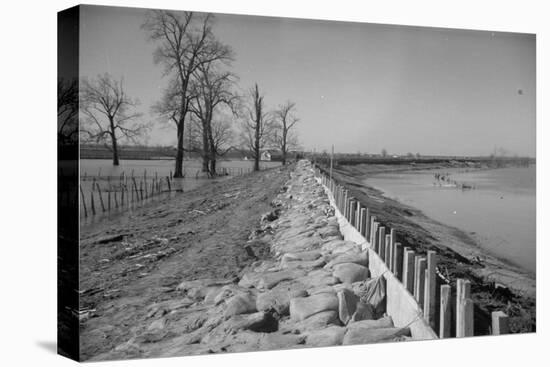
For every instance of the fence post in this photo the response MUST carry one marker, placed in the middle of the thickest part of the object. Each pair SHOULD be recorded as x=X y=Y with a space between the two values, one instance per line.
x=419 y=275
x=363 y=222
x=429 y=289
x=374 y=233
x=393 y=236
x=100 y=197
x=381 y=244
x=357 y=220
x=345 y=204
x=462 y=308
x=387 y=254
x=121 y=195
x=135 y=189
x=352 y=212
x=398 y=261
x=92 y=204
x=408 y=269
x=499 y=323
x=367 y=220
x=445 y=311
x=83 y=202
x=371 y=229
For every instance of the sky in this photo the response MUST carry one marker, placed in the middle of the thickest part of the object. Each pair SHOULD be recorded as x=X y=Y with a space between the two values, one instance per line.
x=358 y=86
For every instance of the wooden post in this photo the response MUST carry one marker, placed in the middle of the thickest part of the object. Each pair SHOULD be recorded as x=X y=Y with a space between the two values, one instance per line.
x=358 y=216
x=462 y=294
x=168 y=182
x=429 y=289
x=419 y=276
x=83 y=202
x=363 y=222
x=352 y=212
x=408 y=269
x=393 y=236
x=374 y=241
x=445 y=312
x=92 y=204
x=387 y=255
x=100 y=197
x=109 y=193
x=381 y=244
x=345 y=204
x=500 y=323
x=116 y=199
x=367 y=220
x=135 y=189
x=121 y=195
x=398 y=261
x=468 y=309
x=141 y=190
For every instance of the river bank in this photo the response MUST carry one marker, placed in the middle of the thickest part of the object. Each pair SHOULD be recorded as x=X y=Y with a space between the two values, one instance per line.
x=495 y=283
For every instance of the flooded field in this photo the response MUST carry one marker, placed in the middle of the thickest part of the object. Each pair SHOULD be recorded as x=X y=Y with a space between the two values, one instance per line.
x=108 y=190
x=497 y=207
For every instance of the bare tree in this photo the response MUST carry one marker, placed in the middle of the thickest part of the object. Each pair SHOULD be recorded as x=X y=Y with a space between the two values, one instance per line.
x=108 y=112
x=213 y=89
x=185 y=42
x=221 y=139
x=67 y=110
x=284 y=137
x=257 y=127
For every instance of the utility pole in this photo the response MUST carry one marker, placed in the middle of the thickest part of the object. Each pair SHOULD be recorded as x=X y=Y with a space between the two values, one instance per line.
x=331 y=158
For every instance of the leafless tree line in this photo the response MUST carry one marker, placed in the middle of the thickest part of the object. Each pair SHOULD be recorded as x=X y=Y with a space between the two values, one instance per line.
x=201 y=96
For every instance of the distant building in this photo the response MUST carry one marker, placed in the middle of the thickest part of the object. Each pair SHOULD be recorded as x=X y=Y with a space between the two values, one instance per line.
x=265 y=155
x=235 y=153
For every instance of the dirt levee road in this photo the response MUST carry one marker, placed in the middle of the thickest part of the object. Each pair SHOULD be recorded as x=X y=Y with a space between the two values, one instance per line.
x=139 y=258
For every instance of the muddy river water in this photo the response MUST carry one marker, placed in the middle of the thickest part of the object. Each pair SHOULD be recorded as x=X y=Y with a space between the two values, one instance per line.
x=497 y=207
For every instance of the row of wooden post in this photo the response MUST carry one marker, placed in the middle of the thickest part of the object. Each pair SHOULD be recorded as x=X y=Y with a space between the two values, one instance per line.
x=416 y=272
x=124 y=194
x=231 y=171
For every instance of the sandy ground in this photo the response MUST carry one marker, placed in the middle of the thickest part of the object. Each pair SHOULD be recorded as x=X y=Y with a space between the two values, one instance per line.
x=496 y=285
x=139 y=258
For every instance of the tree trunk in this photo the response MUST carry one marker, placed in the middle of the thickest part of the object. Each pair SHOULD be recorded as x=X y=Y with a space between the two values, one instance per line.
x=257 y=148
x=205 y=149
x=178 y=171
x=213 y=150
x=283 y=147
x=114 y=142
x=213 y=166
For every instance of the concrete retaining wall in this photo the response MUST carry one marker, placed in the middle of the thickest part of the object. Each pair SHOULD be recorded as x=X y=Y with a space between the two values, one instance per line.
x=400 y=303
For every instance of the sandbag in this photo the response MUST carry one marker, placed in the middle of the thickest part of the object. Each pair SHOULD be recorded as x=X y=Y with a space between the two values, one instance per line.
x=373 y=292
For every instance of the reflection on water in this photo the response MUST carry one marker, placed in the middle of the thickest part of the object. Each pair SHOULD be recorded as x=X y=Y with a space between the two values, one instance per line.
x=499 y=208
